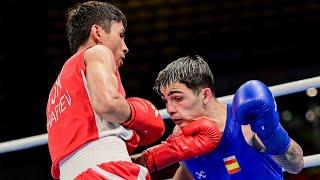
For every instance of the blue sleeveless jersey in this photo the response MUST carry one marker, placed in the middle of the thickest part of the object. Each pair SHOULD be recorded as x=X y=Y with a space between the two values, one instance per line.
x=234 y=158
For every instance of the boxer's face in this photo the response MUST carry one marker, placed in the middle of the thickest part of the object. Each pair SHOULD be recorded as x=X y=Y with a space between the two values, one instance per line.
x=115 y=41
x=182 y=104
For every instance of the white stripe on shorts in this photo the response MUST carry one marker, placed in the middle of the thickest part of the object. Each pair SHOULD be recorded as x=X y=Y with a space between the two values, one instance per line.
x=106 y=174
x=142 y=173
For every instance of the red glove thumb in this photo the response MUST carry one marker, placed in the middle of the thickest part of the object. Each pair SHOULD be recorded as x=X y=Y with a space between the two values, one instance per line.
x=205 y=126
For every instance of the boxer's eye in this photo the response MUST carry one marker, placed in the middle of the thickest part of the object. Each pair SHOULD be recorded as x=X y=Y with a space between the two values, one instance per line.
x=178 y=99
x=122 y=35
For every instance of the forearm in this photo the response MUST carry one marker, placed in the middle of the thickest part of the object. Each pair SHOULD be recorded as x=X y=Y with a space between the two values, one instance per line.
x=111 y=107
x=292 y=159
x=117 y=112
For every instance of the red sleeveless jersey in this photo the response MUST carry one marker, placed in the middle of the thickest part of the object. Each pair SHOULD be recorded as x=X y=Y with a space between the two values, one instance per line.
x=71 y=121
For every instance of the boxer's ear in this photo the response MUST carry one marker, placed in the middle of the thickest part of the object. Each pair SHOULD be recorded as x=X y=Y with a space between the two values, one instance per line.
x=96 y=33
x=205 y=95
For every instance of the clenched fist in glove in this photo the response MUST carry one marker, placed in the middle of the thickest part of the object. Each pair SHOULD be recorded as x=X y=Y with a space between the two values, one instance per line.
x=197 y=138
x=145 y=120
x=254 y=104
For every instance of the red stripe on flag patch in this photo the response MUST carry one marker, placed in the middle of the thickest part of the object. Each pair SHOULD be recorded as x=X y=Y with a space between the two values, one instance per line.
x=231 y=164
x=230 y=161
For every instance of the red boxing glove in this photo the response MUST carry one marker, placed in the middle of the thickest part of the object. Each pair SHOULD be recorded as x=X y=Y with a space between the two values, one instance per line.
x=145 y=120
x=198 y=138
x=132 y=143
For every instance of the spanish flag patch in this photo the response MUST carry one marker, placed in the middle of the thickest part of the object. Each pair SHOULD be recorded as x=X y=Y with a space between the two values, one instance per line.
x=231 y=164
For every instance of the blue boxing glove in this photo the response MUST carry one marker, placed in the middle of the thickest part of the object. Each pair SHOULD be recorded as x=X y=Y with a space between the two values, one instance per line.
x=254 y=104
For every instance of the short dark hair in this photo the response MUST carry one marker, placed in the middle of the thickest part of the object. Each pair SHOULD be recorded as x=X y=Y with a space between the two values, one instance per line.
x=81 y=17
x=192 y=71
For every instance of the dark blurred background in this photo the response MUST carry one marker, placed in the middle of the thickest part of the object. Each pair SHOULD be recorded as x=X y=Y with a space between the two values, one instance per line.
x=273 y=41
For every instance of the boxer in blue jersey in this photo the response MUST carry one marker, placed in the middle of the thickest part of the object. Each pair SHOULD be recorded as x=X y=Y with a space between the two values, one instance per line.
x=253 y=145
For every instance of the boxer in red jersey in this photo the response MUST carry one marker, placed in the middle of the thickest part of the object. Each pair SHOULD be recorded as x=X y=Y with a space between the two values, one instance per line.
x=92 y=126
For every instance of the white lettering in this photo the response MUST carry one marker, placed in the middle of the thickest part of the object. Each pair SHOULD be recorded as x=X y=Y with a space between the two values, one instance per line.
x=68 y=97
x=64 y=102
x=55 y=90
x=52 y=118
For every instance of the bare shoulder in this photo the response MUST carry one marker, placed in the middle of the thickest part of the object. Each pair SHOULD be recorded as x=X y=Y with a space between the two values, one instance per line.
x=98 y=48
x=98 y=52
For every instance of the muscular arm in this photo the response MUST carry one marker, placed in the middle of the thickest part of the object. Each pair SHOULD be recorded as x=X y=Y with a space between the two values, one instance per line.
x=106 y=101
x=254 y=104
x=292 y=159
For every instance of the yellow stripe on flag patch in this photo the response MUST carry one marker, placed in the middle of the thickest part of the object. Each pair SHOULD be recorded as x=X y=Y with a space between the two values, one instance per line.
x=231 y=164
